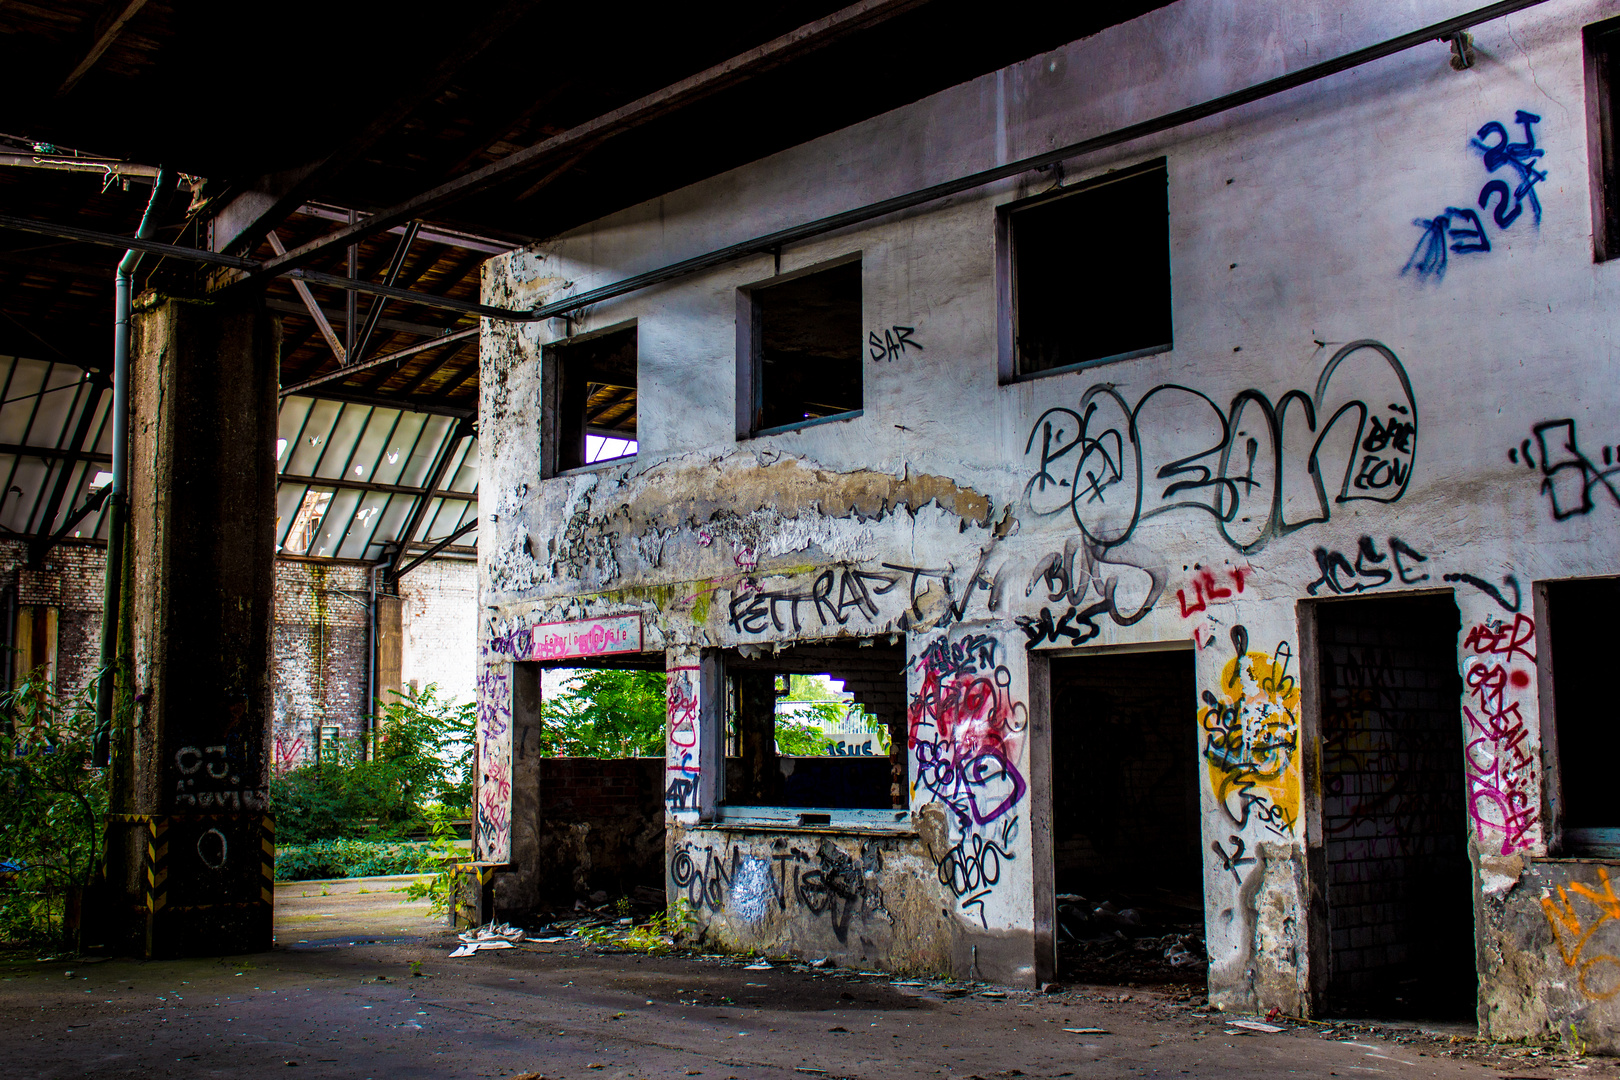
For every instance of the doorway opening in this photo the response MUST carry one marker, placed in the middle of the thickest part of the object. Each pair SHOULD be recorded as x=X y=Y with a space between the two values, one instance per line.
x=1394 y=815
x=1125 y=819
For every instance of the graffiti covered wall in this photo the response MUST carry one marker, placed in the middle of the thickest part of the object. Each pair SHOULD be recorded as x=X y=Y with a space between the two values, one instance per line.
x=1370 y=391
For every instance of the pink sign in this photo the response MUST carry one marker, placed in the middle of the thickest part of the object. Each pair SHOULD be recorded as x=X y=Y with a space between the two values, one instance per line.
x=587 y=637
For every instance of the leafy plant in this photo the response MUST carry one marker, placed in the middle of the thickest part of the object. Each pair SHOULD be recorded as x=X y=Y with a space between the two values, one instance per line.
x=440 y=857
x=422 y=753
x=605 y=714
x=51 y=805
x=660 y=934
x=350 y=858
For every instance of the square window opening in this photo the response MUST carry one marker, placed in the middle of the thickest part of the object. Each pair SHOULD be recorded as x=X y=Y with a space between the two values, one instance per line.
x=592 y=390
x=1584 y=729
x=607 y=710
x=804 y=349
x=817 y=729
x=1090 y=275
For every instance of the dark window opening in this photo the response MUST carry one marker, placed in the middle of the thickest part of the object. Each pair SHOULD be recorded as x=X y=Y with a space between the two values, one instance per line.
x=817 y=727
x=1126 y=840
x=1394 y=810
x=1602 y=71
x=594 y=393
x=806 y=348
x=588 y=782
x=1091 y=274
x=1587 y=735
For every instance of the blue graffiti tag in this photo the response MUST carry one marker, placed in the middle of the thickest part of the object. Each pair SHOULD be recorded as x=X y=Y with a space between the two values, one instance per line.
x=1460 y=231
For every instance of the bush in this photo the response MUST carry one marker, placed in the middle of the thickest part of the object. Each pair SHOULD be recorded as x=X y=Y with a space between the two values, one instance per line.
x=422 y=754
x=353 y=858
x=51 y=805
x=605 y=714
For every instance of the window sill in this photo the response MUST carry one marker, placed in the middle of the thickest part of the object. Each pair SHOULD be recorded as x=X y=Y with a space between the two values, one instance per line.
x=1134 y=354
x=782 y=429
x=1590 y=844
x=595 y=466
x=822 y=820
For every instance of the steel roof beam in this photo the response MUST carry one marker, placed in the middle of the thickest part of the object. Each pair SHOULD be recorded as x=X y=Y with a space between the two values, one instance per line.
x=790 y=46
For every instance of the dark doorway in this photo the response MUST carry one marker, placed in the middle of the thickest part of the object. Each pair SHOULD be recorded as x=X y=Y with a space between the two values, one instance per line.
x=1394 y=815
x=1125 y=818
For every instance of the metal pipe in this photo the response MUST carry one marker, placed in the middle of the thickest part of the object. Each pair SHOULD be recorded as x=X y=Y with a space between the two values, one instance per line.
x=123 y=303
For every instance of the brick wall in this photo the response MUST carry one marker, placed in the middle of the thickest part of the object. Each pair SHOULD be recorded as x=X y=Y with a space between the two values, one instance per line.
x=1393 y=802
x=601 y=827
x=321 y=656
x=320 y=634
x=71 y=581
x=439 y=617
x=1125 y=774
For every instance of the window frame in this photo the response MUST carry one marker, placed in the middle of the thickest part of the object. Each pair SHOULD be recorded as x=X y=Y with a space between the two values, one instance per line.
x=1007 y=278
x=890 y=820
x=1595 y=842
x=1600 y=47
x=750 y=388
x=551 y=389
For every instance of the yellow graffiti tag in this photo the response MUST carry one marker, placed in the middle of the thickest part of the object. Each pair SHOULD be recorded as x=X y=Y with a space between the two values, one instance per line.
x=1251 y=740
x=1601 y=969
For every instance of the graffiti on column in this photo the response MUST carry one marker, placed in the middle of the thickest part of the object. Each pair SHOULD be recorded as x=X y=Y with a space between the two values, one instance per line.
x=1598 y=971
x=1502 y=783
x=1250 y=727
x=967 y=732
x=492 y=814
x=683 y=767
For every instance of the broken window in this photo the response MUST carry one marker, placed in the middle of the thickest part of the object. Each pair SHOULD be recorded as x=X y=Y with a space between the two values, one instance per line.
x=1090 y=274
x=802 y=350
x=36 y=643
x=591 y=394
x=1588 y=738
x=816 y=729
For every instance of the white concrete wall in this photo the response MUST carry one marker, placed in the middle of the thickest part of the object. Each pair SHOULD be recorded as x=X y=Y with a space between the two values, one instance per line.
x=1291 y=221
x=439 y=623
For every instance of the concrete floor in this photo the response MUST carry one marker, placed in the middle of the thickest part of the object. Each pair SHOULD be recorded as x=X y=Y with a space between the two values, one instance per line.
x=360 y=986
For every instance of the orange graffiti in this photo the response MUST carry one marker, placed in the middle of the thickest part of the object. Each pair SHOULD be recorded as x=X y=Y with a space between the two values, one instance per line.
x=1573 y=939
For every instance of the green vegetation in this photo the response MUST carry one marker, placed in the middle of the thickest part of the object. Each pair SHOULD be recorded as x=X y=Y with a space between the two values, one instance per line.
x=440 y=857
x=51 y=805
x=422 y=756
x=605 y=714
x=353 y=858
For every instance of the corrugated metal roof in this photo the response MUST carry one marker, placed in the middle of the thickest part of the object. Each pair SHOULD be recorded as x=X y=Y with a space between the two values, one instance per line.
x=351 y=475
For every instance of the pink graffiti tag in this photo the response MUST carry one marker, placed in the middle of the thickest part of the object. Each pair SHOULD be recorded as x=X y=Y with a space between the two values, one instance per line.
x=968 y=759
x=288 y=751
x=682 y=711
x=1500 y=759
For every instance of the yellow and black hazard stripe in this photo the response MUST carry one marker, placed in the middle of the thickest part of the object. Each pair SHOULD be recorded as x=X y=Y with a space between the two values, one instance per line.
x=267 y=859
x=157 y=863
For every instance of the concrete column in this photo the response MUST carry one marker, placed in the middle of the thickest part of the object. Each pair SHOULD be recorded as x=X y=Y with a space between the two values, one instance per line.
x=517 y=886
x=190 y=838
x=390 y=649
